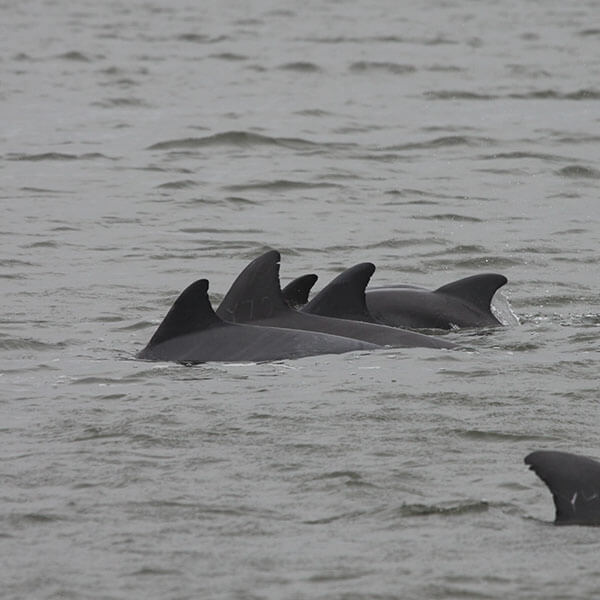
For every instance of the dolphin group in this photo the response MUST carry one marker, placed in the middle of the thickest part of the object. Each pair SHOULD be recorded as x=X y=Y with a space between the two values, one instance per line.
x=459 y=304
x=258 y=321
x=255 y=322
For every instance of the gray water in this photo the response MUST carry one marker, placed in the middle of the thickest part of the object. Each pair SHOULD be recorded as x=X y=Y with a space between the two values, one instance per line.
x=146 y=145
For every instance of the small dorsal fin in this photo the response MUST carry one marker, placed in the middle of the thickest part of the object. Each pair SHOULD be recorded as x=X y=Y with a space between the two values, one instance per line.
x=296 y=291
x=344 y=297
x=477 y=290
x=256 y=293
x=191 y=312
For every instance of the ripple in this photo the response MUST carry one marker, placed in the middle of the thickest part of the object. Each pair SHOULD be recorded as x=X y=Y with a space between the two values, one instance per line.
x=242 y=139
x=521 y=154
x=57 y=156
x=177 y=185
x=424 y=510
x=579 y=171
x=458 y=95
x=200 y=38
x=449 y=217
x=444 y=142
x=113 y=102
x=229 y=56
x=365 y=66
x=300 y=67
x=279 y=185
x=583 y=94
x=498 y=436
x=29 y=344
x=74 y=55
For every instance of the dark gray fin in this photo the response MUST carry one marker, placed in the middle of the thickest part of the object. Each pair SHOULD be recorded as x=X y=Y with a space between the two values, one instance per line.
x=296 y=291
x=477 y=290
x=256 y=293
x=191 y=312
x=574 y=482
x=344 y=297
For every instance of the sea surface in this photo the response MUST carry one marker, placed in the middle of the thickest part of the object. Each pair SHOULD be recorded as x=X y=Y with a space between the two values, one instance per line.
x=145 y=145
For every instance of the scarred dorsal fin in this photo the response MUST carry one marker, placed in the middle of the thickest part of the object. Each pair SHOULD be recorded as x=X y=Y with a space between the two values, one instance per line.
x=344 y=297
x=256 y=293
x=191 y=312
x=477 y=290
x=574 y=482
x=296 y=291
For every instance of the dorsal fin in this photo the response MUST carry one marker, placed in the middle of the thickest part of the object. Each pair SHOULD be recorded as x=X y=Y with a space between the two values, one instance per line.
x=191 y=312
x=296 y=291
x=344 y=297
x=574 y=482
x=256 y=293
x=477 y=290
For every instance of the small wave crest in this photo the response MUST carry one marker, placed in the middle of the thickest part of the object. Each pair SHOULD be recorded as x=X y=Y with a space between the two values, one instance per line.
x=241 y=139
x=366 y=66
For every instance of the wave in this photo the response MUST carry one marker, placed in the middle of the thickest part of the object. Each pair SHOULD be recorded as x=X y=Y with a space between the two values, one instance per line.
x=520 y=154
x=363 y=66
x=583 y=94
x=301 y=67
x=57 y=156
x=444 y=141
x=278 y=185
x=579 y=171
x=234 y=138
x=177 y=185
x=229 y=56
x=424 y=510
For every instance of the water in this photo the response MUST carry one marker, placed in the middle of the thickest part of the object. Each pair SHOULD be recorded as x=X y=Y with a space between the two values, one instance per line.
x=146 y=145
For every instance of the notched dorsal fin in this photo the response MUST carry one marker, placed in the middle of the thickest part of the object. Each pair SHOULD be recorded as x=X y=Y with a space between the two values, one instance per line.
x=256 y=293
x=191 y=312
x=344 y=297
x=477 y=290
x=296 y=291
x=574 y=482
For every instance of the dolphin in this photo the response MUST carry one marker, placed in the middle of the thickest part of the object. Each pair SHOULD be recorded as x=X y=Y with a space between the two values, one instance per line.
x=574 y=482
x=192 y=333
x=296 y=291
x=256 y=297
x=462 y=303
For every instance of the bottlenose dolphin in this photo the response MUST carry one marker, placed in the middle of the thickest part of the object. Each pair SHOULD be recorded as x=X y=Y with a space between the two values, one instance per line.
x=462 y=303
x=256 y=297
x=296 y=291
x=192 y=333
x=574 y=482
x=344 y=297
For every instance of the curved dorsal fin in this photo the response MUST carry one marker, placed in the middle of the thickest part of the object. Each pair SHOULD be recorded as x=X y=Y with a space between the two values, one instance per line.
x=256 y=293
x=344 y=297
x=296 y=291
x=574 y=482
x=191 y=312
x=477 y=290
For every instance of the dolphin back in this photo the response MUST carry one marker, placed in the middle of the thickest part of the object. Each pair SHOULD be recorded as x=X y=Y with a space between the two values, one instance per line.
x=574 y=482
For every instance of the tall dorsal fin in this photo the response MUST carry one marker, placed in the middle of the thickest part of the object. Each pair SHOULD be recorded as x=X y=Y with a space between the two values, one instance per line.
x=191 y=312
x=344 y=297
x=574 y=482
x=256 y=293
x=296 y=291
x=477 y=290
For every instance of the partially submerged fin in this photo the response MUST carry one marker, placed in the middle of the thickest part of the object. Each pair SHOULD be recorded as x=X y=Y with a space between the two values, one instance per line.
x=191 y=312
x=256 y=293
x=344 y=297
x=477 y=290
x=296 y=291
x=574 y=482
